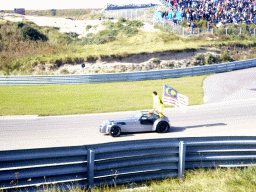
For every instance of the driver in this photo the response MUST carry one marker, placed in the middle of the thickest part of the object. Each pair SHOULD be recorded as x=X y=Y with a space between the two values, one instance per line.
x=158 y=104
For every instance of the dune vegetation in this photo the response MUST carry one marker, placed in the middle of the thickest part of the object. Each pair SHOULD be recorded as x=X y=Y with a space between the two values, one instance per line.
x=25 y=46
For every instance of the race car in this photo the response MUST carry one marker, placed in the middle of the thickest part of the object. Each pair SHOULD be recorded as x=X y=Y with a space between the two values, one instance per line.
x=143 y=121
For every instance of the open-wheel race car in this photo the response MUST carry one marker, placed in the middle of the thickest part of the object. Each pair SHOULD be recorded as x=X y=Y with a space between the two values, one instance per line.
x=143 y=121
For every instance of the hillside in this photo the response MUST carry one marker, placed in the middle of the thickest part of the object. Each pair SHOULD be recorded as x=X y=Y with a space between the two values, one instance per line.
x=29 y=46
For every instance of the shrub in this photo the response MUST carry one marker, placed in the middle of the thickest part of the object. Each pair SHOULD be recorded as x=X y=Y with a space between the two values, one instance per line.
x=64 y=71
x=121 y=20
x=129 y=31
x=29 y=33
x=20 y=24
x=171 y=65
x=156 y=60
x=135 y=23
x=211 y=59
x=223 y=38
x=88 y=27
x=184 y=23
x=200 y=59
x=72 y=34
x=226 y=57
x=242 y=36
x=201 y=24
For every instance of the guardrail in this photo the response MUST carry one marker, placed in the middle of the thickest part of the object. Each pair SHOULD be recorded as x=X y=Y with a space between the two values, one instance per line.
x=120 y=162
x=131 y=76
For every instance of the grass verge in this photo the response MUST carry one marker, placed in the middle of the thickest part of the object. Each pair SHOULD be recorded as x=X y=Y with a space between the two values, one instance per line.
x=92 y=98
x=195 y=180
x=203 y=180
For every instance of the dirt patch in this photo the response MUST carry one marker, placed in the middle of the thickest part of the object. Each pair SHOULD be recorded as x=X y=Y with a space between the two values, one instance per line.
x=132 y=63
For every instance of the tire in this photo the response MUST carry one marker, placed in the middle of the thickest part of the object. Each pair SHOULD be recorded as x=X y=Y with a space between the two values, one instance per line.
x=115 y=131
x=162 y=127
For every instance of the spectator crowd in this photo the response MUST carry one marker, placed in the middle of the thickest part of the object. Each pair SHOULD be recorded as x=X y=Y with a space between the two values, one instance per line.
x=216 y=11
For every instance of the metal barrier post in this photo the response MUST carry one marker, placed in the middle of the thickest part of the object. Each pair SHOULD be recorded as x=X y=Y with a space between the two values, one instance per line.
x=90 y=166
x=182 y=156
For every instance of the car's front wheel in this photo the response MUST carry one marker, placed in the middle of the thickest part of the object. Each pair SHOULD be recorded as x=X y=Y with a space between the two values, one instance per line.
x=162 y=127
x=115 y=131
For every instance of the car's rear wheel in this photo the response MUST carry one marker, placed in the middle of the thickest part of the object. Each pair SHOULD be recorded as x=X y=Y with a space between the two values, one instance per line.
x=162 y=127
x=115 y=131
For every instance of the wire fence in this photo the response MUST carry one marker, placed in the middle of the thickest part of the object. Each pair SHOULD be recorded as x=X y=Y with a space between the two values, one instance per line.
x=135 y=14
x=147 y=15
x=186 y=31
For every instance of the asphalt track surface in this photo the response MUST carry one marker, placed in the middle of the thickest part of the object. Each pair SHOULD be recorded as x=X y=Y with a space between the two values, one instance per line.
x=232 y=112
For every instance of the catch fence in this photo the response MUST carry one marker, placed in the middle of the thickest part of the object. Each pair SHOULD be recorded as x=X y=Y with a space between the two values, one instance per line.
x=120 y=162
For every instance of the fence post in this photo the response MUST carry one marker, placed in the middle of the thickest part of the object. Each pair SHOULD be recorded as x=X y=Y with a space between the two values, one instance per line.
x=254 y=32
x=212 y=31
x=226 y=31
x=182 y=156
x=90 y=167
x=240 y=30
x=198 y=32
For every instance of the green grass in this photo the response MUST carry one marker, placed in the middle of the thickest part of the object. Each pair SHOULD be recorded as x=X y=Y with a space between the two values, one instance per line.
x=201 y=180
x=197 y=180
x=92 y=98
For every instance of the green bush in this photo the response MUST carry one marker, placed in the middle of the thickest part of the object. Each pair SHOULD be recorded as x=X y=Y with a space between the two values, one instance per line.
x=88 y=27
x=201 y=24
x=121 y=20
x=29 y=33
x=135 y=23
x=184 y=23
x=211 y=59
x=72 y=34
x=156 y=61
x=223 y=38
x=226 y=57
x=20 y=24
x=200 y=59
x=129 y=31
x=59 y=38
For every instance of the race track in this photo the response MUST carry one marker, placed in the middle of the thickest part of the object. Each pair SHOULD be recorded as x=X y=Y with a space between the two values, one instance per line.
x=230 y=117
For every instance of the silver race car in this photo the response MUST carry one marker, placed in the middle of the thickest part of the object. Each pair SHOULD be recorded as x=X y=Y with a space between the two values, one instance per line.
x=143 y=121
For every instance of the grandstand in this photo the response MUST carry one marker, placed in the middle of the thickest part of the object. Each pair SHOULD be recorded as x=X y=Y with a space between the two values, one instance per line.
x=214 y=11
x=19 y=11
x=128 y=6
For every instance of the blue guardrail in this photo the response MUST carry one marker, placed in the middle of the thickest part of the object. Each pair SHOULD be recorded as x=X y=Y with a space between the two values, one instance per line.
x=119 y=77
x=120 y=162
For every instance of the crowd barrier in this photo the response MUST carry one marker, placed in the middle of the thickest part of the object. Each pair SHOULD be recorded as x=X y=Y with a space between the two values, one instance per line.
x=131 y=76
x=120 y=162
